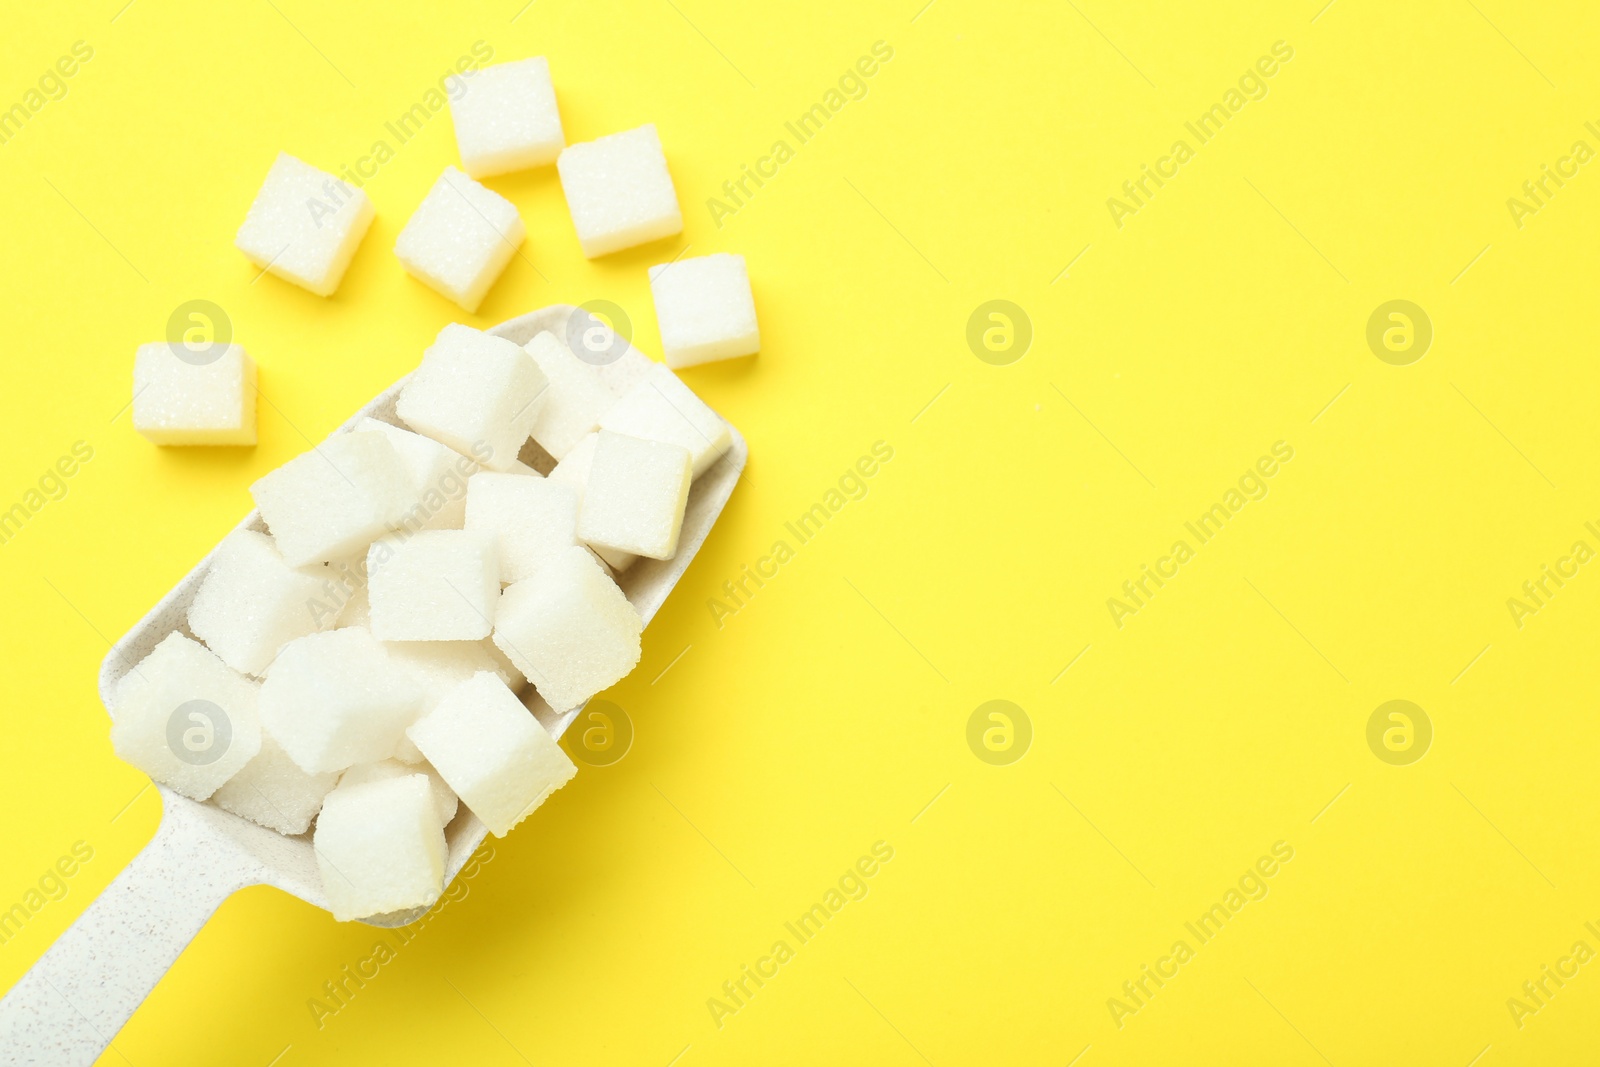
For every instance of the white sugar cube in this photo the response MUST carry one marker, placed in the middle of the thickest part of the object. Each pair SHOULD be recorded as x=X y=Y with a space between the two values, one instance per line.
x=530 y=520
x=569 y=629
x=636 y=495
x=334 y=500
x=438 y=585
x=439 y=666
x=194 y=396
x=574 y=470
x=438 y=476
x=444 y=798
x=251 y=603
x=661 y=408
x=380 y=848
x=185 y=718
x=577 y=396
x=506 y=118
x=460 y=238
x=704 y=309
x=272 y=791
x=492 y=752
x=304 y=225
x=335 y=699
x=619 y=191
x=477 y=393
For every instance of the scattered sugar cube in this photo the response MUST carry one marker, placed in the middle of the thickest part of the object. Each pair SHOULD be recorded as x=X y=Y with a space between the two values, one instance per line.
x=380 y=847
x=211 y=401
x=636 y=495
x=492 y=752
x=273 y=792
x=460 y=238
x=335 y=699
x=438 y=476
x=530 y=520
x=438 y=585
x=477 y=393
x=251 y=603
x=506 y=118
x=619 y=191
x=662 y=408
x=574 y=471
x=569 y=629
x=444 y=798
x=334 y=500
x=304 y=225
x=704 y=309
x=577 y=396
x=185 y=718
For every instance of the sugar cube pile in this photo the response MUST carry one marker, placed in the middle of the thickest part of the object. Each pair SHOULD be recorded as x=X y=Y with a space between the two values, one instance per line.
x=361 y=665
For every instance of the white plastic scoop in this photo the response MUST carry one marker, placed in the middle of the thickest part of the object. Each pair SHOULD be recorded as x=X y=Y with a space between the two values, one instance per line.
x=69 y=1006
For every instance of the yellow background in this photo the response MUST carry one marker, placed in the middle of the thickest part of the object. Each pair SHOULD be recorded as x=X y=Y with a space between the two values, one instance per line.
x=827 y=713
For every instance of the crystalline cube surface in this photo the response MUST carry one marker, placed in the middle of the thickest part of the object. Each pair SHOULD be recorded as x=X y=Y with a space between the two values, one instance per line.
x=380 y=847
x=185 y=718
x=705 y=309
x=438 y=475
x=577 y=396
x=506 y=118
x=251 y=603
x=334 y=500
x=477 y=393
x=304 y=225
x=492 y=752
x=569 y=629
x=460 y=238
x=574 y=470
x=661 y=408
x=444 y=798
x=529 y=520
x=437 y=585
x=619 y=191
x=635 y=497
x=200 y=396
x=439 y=666
x=335 y=699
x=273 y=791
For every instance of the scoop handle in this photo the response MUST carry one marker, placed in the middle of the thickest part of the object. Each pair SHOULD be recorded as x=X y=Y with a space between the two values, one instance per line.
x=70 y=1005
